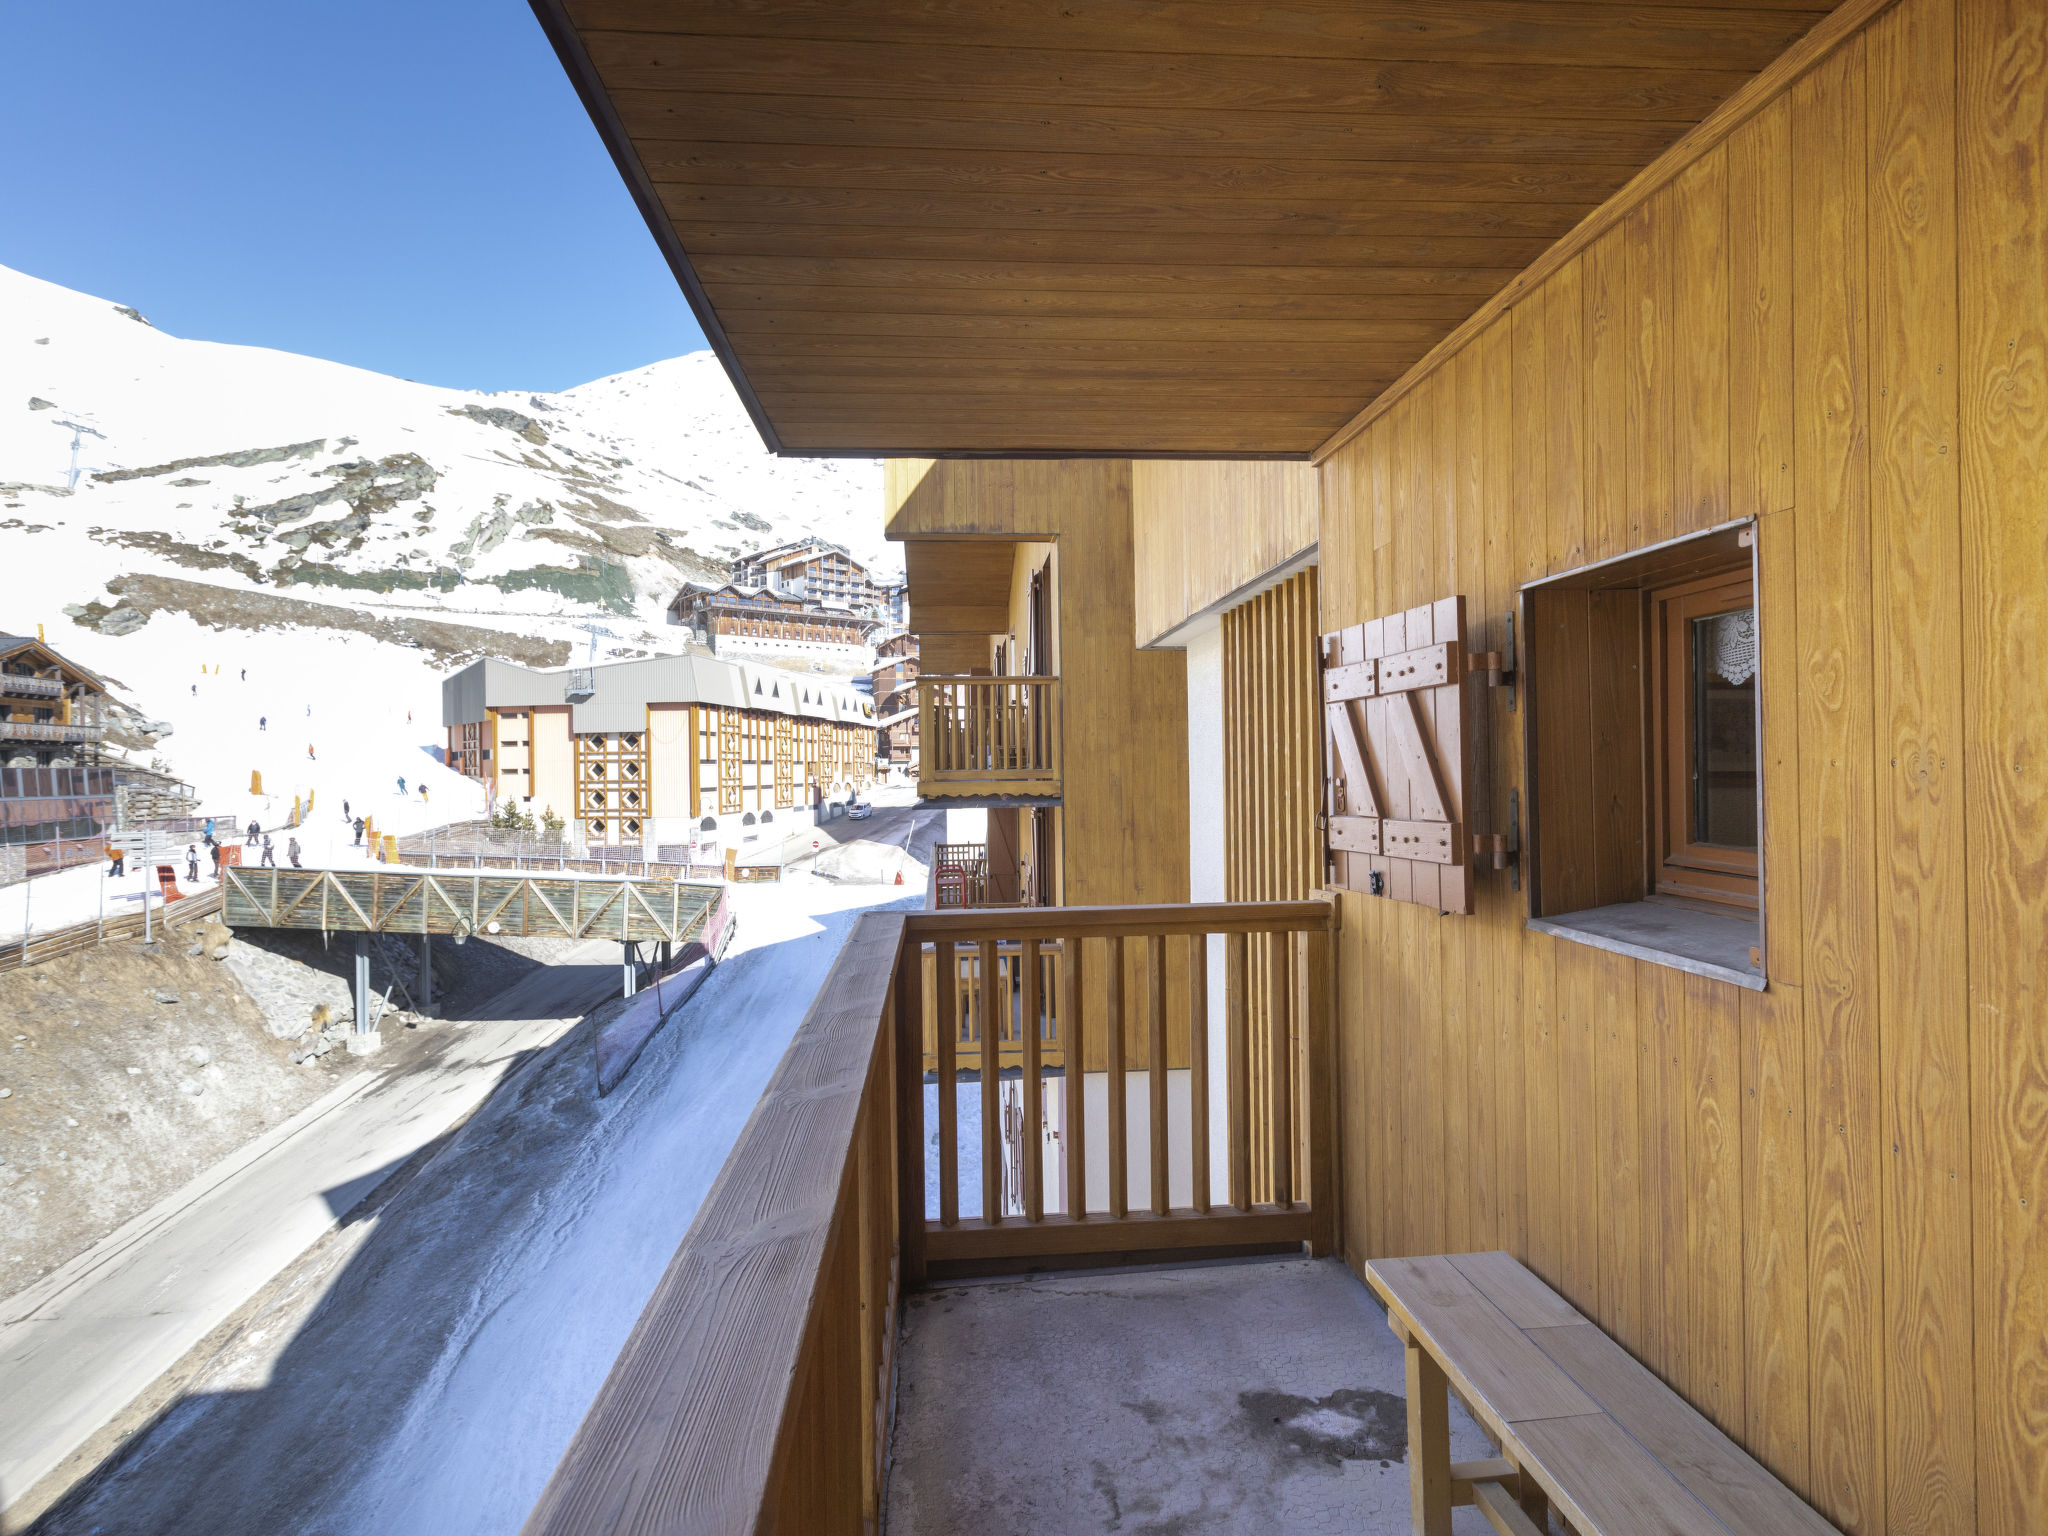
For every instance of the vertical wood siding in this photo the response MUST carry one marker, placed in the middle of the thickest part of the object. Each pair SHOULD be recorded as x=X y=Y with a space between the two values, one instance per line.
x=1815 y=1210
x=1272 y=765
x=1203 y=530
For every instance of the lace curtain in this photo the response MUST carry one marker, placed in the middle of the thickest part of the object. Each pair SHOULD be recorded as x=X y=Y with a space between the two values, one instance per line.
x=1731 y=641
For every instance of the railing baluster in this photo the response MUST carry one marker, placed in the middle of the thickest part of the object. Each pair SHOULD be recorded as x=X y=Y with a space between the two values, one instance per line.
x=1034 y=1134
x=1237 y=1053
x=948 y=1030
x=910 y=1131
x=1073 y=1095
x=1280 y=1057
x=1119 y=1141
x=1322 y=1127
x=992 y=1004
x=1198 y=1068
x=1155 y=1067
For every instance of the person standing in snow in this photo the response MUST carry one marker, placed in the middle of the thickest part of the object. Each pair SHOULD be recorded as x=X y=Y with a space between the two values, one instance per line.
x=359 y=831
x=309 y=753
x=192 y=862
x=119 y=866
x=263 y=722
x=254 y=832
x=291 y=851
x=401 y=783
x=344 y=810
x=423 y=794
x=245 y=674
x=195 y=690
x=269 y=860
x=214 y=848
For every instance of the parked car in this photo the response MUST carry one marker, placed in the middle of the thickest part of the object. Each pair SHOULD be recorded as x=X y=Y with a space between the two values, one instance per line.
x=860 y=810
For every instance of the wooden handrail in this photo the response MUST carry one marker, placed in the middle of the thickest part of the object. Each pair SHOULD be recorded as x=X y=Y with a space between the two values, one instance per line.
x=748 y=1395
x=1133 y=922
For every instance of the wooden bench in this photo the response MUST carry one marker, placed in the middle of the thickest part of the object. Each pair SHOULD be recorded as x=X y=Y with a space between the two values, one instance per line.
x=1580 y=1424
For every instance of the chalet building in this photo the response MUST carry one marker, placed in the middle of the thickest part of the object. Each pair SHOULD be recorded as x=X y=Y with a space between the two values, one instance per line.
x=762 y=623
x=56 y=795
x=658 y=751
x=1494 y=618
x=894 y=687
x=815 y=571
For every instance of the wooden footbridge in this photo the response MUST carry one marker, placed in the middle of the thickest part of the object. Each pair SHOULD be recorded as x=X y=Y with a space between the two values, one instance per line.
x=460 y=904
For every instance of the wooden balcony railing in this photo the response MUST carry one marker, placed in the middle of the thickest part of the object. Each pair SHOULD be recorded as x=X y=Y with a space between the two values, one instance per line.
x=989 y=736
x=960 y=878
x=753 y=1394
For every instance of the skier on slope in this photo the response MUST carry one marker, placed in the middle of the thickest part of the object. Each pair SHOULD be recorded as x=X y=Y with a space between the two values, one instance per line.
x=269 y=860
x=263 y=722
x=401 y=783
x=309 y=753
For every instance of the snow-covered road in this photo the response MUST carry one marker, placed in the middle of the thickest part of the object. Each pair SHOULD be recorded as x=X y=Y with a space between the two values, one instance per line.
x=423 y=1369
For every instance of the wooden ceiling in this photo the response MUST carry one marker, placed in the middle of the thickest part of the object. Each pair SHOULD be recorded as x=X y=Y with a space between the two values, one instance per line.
x=1178 y=227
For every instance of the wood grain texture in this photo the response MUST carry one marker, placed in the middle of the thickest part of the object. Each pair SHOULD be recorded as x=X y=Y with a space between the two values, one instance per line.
x=1202 y=531
x=1922 y=943
x=1837 y=808
x=2002 y=246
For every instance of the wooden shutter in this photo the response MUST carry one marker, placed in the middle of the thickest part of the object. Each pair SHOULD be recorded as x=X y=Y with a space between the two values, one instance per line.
x=1401 y=724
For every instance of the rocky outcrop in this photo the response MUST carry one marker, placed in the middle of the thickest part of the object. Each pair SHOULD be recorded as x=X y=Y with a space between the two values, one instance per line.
x=367 y=485
x=246 y=458
x=499 y=416
x=226 y=608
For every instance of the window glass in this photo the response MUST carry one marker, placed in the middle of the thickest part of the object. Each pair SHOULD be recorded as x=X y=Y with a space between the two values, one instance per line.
x=1724 y=745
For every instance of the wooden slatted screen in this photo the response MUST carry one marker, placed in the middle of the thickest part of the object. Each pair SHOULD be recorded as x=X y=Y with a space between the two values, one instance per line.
x=1272 y=770
x=1401 y=723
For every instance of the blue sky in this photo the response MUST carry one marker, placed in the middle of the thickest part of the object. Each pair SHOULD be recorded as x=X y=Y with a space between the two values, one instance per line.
x=412 y=188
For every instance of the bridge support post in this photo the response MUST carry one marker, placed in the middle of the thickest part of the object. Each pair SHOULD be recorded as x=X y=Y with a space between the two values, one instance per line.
x=365 y=1039
x=426 y=981
x=631 y=967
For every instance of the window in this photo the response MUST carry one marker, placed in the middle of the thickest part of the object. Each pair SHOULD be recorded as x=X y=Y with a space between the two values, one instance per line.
x=1705 y=739
x=1641 y=687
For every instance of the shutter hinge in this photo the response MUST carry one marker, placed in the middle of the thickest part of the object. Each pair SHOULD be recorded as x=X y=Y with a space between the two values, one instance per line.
x=1496 y=668
x=1503 y=850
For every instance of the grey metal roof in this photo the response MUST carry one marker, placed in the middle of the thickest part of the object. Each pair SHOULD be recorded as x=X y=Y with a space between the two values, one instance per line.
x=622 y=691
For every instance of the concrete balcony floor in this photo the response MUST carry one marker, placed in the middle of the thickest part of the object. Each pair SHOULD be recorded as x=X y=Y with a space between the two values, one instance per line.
x=1248 y=1396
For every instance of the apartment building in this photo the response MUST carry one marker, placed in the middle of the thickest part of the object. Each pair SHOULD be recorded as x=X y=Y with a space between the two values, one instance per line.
x=660 y=750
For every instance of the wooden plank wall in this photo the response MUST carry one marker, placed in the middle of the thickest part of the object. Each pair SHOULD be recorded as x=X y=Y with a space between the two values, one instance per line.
x=1815 y=1210
x=1124 y=818
x=1203 y=530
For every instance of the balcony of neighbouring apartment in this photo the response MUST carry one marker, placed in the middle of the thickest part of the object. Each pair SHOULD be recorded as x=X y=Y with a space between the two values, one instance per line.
x=80 y=733
x=991 y=740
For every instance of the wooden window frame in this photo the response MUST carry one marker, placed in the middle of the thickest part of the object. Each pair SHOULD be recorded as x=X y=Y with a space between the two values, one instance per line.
x=1680 y=866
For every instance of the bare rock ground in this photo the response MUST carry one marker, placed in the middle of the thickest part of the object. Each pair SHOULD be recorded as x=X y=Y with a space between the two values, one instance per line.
x=124 y=1073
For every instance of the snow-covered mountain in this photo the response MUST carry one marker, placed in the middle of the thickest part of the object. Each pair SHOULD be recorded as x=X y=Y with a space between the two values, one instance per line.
x=168 y=506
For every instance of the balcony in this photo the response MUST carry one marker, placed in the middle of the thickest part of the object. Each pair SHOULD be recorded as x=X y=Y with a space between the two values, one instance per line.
x=991 y=738
x=83 y=733
x=31 y=687
x=755 y=1393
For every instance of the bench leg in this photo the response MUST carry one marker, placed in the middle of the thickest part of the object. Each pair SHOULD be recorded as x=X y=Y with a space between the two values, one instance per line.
x=1429 y=1444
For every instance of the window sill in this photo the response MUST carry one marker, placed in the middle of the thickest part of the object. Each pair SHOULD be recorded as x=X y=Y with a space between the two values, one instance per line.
x=1715 y=944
